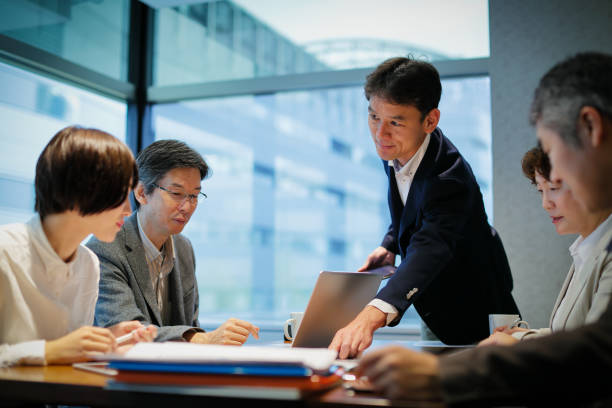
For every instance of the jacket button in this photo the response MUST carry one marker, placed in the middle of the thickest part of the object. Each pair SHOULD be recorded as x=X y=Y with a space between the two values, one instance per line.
x=411 y=293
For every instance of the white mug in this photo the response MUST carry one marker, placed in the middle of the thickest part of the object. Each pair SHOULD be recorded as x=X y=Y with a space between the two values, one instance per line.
x=510 y=320
x=294 y=324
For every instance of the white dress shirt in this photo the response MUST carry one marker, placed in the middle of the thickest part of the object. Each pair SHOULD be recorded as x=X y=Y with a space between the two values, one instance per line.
x=160 y=265
x=403 y=176
x=41 y=296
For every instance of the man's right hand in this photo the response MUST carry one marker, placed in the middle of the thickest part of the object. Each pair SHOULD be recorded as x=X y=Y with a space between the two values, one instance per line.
x=357 y=335
x=379 y=257
x=402 y=374
x=79 y=345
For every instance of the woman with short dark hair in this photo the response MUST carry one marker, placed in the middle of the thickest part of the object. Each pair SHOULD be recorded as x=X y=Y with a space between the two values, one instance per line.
x=48 y=280
x=588 y=285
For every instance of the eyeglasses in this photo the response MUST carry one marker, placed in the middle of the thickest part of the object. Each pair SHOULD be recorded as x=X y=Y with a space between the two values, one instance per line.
x=180 y=198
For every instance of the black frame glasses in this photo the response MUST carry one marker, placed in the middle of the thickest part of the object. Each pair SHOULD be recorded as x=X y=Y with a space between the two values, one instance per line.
x=180 y=198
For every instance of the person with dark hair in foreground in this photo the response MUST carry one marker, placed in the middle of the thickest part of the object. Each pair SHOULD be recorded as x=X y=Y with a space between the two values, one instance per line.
x=572 y=114
x=48 y=280
x=148 y=271
x=452 y=261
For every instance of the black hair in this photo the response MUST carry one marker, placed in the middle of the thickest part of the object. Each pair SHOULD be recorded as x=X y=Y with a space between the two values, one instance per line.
x=406 y=81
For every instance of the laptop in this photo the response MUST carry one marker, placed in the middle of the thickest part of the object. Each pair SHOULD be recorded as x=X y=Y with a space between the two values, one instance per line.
x=336 y=300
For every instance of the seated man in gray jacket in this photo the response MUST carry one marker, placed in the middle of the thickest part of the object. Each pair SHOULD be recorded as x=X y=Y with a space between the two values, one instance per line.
x=148 y=272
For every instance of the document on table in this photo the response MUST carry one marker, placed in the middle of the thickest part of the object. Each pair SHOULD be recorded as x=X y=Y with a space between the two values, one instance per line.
x=189 y=353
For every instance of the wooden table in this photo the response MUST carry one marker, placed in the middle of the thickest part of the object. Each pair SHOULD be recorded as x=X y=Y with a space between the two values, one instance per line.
x=65 y=385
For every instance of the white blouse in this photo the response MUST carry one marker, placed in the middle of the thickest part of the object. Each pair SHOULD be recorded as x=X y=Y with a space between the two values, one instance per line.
x=41 y=296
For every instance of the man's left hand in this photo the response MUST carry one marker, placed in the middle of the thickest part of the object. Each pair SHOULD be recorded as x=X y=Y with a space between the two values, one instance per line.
x=233 y=332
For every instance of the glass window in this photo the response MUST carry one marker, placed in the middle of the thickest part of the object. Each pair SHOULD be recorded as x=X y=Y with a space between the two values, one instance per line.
x=465 y=118
x=90 y=33
x=32 y=110
x=222 y=40
x=296 y=188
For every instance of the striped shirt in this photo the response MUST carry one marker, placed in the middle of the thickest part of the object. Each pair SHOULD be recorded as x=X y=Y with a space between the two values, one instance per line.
x=160 y=265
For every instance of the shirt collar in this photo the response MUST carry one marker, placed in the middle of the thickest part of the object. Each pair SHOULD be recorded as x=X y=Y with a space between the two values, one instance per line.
x=411 y=166
x=151 y=251
x=574 y=248
x=591 y=241
x=583 y=247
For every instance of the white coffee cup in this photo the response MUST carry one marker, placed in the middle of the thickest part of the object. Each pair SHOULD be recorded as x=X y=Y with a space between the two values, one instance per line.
x=292 y=325
x=510 y=320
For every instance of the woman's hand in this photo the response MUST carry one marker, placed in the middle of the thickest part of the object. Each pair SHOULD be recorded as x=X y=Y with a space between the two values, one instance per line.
x=498 y=338
x=79 y=345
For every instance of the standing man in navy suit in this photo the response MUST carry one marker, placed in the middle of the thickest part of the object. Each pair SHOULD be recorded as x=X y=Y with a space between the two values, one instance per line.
x=453 y=266
x=572 y=114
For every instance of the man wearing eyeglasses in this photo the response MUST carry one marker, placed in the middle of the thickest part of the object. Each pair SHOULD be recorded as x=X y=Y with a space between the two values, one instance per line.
x=148 y=271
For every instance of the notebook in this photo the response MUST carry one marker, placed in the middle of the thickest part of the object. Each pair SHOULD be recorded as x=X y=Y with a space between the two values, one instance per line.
x=175 y=357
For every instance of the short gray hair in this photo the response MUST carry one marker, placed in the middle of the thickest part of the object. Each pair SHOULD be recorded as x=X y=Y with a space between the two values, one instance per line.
x=582 y=80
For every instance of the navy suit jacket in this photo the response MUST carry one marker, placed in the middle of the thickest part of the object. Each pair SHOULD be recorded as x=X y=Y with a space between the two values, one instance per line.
x=454 y=267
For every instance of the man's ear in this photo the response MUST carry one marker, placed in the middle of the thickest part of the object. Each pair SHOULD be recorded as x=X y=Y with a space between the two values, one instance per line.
x=431 y=120
x=590 y=126
x=139 y=193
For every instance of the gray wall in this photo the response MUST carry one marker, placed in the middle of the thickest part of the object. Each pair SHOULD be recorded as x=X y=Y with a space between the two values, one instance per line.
x=527 y=38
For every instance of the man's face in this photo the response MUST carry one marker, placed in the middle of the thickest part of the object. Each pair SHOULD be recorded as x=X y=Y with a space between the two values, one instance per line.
x=397 y=130
x=575 y=166
x=170 y=214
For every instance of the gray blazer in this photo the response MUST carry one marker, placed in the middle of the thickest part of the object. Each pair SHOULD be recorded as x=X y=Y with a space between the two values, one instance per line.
x=592 y=294
x=589 y=298
x=126 y=291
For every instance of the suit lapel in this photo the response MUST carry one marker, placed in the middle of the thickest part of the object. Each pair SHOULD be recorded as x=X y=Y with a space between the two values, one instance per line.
x=138 y=263
x=561 y=295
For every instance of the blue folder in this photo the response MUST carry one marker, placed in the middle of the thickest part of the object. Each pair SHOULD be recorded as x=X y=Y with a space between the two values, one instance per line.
x=230 y=369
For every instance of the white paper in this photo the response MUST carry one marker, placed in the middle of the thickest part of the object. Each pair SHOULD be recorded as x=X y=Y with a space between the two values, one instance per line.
x=315 y=358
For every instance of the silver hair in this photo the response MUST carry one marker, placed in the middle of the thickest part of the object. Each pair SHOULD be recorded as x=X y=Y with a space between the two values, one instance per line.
x=582 y=80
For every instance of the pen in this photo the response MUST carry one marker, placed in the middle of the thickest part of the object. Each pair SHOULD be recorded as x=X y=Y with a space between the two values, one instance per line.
x=125 y=338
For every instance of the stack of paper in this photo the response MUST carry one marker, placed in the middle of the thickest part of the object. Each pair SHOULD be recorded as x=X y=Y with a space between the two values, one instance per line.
x=211 y=359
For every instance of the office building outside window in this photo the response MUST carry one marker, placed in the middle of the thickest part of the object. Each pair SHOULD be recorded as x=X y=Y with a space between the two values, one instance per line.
x=297 y=188
x=225 y=40
x=32 y=109
x=261 y=90
x=93 y=34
